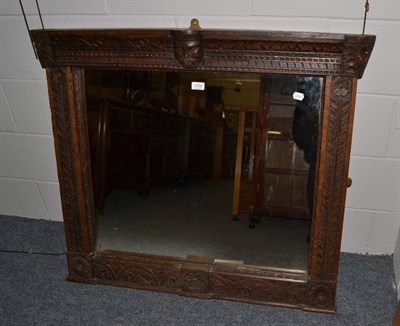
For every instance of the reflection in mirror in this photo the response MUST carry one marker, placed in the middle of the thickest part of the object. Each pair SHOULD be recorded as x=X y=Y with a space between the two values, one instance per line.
x=180 y=161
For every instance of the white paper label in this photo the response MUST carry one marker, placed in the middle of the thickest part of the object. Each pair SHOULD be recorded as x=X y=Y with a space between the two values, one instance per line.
x=298 y=96
x=198 y=86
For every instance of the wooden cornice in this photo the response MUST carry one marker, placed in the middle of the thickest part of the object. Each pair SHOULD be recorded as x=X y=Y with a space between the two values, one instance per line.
x=271 y=52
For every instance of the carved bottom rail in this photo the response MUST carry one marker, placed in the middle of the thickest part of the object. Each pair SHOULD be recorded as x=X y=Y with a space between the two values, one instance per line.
x=202 y=278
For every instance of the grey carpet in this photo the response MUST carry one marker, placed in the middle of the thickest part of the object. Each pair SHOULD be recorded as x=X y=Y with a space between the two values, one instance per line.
x=33 y=291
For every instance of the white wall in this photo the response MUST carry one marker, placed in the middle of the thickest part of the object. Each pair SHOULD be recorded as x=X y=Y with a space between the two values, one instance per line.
x=28 y=178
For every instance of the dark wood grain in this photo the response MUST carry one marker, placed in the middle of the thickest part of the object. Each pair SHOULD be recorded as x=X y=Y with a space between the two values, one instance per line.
x=340 y=59
x=267 y=52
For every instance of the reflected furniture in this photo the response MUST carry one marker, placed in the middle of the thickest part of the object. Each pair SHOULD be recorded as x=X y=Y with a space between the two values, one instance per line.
x=340 y=59
x=286 y=157
x=139 y=148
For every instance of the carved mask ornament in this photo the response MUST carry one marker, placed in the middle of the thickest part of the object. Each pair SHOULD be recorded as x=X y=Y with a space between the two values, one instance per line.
x=188 y=47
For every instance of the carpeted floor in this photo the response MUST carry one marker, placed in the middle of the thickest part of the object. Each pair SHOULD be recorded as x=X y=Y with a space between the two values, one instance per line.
x=33 y=291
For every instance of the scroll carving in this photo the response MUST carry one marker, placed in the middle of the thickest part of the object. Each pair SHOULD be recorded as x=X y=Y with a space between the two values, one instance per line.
x=260 y=290
x=143 y=275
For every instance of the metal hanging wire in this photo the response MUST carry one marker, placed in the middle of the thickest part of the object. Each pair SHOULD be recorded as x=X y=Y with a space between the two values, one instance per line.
x=366 y=6
x=27 y=25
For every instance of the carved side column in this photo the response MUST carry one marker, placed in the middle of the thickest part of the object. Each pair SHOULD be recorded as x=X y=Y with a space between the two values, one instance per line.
x=337 y=122
x=65 y=93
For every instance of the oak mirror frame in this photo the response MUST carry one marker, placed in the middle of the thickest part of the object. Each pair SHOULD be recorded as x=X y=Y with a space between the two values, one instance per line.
x=339 y=59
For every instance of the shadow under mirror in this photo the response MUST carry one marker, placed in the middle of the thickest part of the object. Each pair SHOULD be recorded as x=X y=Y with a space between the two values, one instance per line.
x=215 y=165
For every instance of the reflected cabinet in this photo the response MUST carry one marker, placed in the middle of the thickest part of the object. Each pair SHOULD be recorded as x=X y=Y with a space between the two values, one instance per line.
x=206 y=163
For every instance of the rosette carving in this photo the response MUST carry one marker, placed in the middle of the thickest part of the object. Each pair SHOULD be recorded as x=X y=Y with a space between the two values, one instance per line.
x=321 y=295
x=80 y=266
x=195 y=282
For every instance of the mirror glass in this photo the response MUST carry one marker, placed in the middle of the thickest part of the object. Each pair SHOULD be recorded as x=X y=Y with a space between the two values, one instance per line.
x=218 y=165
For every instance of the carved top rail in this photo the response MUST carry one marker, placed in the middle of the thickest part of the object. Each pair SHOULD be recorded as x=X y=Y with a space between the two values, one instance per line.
x=271 y=52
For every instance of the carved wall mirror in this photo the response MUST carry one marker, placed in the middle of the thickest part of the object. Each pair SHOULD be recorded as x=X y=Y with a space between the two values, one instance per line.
x=167 y=141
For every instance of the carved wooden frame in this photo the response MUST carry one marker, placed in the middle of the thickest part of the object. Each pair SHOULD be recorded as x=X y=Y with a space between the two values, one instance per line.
x=339 y=58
